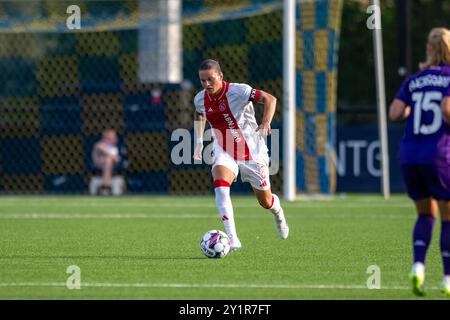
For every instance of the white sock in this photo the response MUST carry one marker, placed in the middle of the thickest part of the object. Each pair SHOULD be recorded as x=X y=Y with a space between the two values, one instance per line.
x=418 y=267
x=225 y=208
x=276 y=206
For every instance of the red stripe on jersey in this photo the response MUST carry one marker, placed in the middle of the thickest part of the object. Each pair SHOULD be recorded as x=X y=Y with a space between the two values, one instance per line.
x=226 y=129
x=221 y=183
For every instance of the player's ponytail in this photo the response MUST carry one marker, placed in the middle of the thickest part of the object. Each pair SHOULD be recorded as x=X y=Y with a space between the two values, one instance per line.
x=438 y=48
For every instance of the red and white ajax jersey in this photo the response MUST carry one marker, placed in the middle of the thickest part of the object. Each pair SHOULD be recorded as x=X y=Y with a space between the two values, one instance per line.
x=232 y=117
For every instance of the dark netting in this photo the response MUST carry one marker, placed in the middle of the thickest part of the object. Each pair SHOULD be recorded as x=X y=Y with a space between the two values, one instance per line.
x=61 y=88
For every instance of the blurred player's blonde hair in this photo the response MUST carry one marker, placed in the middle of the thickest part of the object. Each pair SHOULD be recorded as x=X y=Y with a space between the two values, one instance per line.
x=438 y=48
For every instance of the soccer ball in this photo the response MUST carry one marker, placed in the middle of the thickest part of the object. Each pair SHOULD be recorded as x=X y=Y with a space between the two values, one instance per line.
x=215 y=244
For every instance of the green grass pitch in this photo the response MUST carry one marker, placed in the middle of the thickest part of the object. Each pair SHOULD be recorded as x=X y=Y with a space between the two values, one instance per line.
x=147 y=247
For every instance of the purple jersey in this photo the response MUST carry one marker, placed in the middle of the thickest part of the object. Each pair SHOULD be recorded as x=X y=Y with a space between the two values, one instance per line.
x=427 y=134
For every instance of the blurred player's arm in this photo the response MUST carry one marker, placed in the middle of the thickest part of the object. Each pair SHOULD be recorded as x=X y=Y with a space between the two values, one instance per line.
x=445 y=106
x=199 y=128
x=270 y=103
x=399 y=111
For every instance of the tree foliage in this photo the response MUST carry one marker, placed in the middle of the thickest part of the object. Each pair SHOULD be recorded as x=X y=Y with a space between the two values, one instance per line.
x=356 y=78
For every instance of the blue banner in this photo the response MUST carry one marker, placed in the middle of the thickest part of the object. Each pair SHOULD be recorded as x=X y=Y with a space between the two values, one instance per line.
x=358 y=160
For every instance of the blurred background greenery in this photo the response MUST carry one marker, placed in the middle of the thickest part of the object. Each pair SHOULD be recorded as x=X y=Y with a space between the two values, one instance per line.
x=356 y=81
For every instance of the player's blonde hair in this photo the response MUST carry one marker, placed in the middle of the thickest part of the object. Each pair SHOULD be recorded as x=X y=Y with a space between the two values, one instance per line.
x=438 y=48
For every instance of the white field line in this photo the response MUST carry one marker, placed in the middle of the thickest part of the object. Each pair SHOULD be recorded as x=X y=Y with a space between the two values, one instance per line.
x=198 y=285
x=31 y=216
x=318 y=205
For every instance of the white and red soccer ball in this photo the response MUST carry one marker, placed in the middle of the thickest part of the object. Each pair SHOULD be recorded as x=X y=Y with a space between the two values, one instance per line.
x=215 y=244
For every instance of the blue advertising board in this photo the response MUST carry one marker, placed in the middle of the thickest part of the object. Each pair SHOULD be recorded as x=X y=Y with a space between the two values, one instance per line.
x=358 y=159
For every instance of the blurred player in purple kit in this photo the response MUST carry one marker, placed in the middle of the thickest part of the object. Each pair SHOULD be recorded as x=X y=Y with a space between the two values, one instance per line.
x=424 y=100
x=238 y=143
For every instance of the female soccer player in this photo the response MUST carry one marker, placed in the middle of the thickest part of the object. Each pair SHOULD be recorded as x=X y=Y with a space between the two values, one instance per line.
x=238 y=143
x=424 y=100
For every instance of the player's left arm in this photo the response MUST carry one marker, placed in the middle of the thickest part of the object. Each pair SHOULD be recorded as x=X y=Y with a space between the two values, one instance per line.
x=399 y=111
x=270 y=103
x=445 y=107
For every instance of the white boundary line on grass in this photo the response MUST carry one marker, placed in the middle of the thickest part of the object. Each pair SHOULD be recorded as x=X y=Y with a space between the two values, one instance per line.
x=189 y=204
x=310 y=205
x=33 y=216
x=198 y=285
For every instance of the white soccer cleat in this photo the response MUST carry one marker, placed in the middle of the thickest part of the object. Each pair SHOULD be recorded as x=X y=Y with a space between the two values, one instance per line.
x=281 y=224
x=445 y=286
x=417 y=277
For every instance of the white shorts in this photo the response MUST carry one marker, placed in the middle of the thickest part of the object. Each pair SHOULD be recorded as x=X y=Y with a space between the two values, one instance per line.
x=256 y=171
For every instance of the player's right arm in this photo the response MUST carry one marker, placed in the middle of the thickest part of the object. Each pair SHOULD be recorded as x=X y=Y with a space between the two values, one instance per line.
x=199 y=128
x=399 y=111
x=400 y=108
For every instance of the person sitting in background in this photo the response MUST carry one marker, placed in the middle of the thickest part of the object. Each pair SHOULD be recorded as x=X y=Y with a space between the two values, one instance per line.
x=105 y=156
